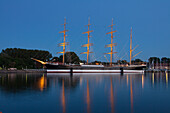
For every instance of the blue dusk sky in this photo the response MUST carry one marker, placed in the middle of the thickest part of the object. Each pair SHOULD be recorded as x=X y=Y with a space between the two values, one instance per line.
x=35 y=24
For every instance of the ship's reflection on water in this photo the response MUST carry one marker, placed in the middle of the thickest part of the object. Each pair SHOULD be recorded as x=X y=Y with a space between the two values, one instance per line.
x=16 y=83
x=130 y=93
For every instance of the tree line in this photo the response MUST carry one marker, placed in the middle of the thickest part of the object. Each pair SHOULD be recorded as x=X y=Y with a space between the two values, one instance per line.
x=158 y=60
x=21 y=59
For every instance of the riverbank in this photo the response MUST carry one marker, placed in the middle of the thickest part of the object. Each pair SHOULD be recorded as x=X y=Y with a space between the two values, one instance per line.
x=45 y=71
x=24 y=71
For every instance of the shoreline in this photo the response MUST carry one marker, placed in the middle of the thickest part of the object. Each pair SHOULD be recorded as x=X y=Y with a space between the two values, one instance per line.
x=45 y=71
x=25 y=71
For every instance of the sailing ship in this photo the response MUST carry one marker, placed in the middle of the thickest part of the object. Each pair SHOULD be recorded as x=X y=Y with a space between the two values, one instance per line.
x=53 y=67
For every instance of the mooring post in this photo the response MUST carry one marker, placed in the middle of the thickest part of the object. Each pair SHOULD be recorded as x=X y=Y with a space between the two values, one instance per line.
x=144 y=71
x=121 y=70
x=71 y=71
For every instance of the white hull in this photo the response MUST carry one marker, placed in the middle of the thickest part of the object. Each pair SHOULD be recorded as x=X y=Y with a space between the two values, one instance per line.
x=92 y=71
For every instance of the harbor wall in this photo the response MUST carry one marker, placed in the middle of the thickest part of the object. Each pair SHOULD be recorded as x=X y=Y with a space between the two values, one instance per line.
x=24 y=71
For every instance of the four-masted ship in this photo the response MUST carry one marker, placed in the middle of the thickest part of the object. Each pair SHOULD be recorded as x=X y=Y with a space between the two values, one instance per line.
x=53 y=67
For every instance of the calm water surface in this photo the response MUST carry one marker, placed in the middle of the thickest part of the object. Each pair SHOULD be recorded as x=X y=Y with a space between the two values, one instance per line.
x=43 y=93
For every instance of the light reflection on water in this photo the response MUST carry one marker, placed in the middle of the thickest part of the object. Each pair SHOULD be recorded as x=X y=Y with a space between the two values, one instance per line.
x=132 y=93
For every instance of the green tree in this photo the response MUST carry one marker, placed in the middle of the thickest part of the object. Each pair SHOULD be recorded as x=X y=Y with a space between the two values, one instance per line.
x=55 y=59
x=71 y=57
x=154 y=59
x=122 y=62
x=164 y=60
x=21 y=58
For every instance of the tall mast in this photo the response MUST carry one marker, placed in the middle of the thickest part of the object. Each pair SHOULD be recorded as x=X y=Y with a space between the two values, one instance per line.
x=131 y=46
x=112 y=44
x=64 y=41
x=88 y=44
x=131 y=50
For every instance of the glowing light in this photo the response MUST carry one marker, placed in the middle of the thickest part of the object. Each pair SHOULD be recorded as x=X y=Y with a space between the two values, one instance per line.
x=39 y=61
x=131 y=95
x=63 y=97
x=81 y=81
x=142 y=81
x=41 y=83
x=111 y=96
x=153 y=78
x=88 y=98
x=26 y=78
x=166 y=78
x=127 y=79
